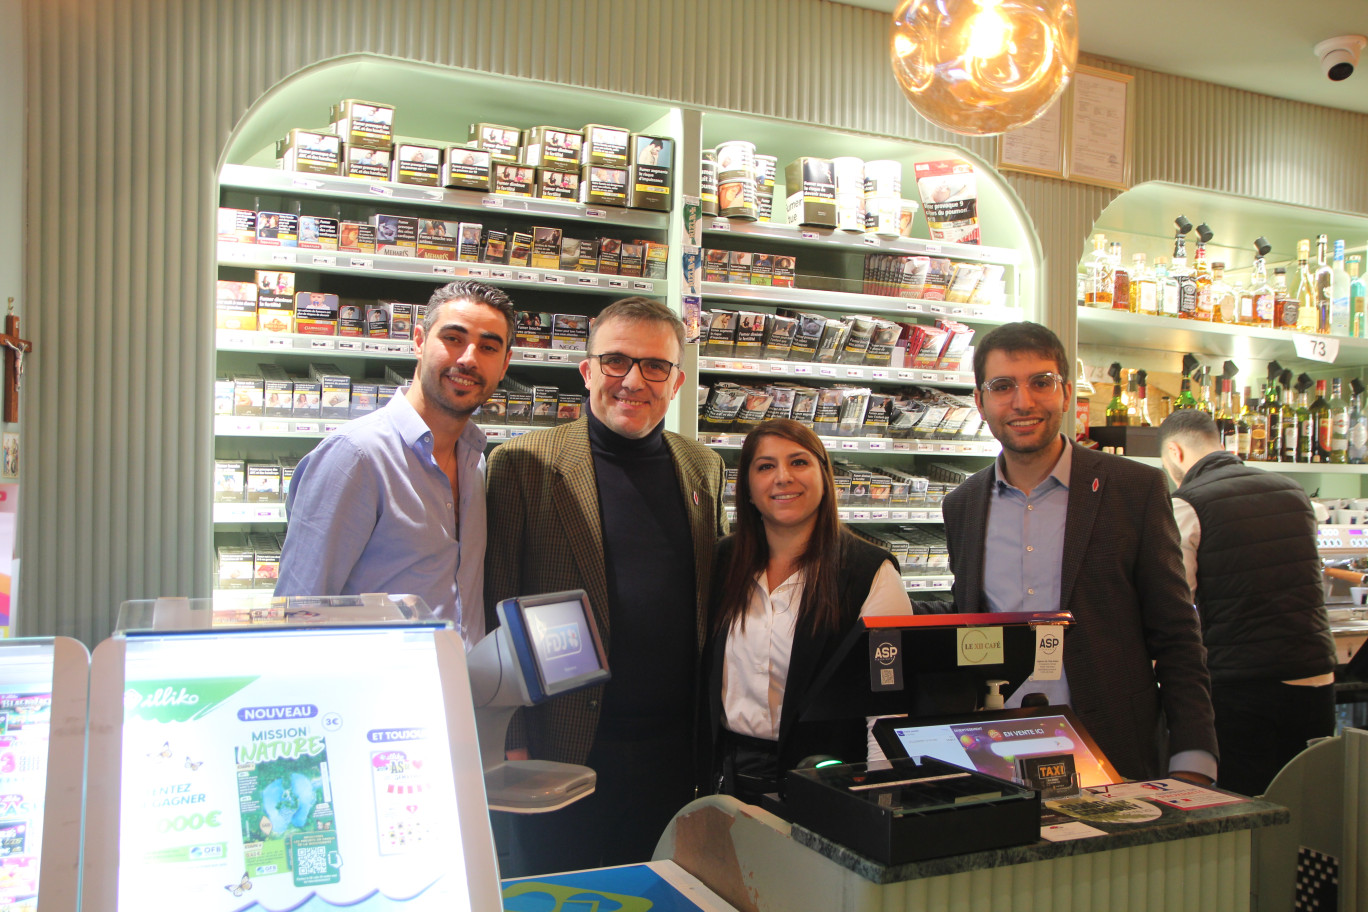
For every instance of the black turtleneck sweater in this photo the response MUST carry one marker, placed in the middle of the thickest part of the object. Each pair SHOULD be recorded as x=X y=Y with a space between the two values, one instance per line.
x=649 y=565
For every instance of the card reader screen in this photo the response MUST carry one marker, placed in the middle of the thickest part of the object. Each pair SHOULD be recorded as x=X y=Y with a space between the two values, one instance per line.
x=561 y=641
x=992 y=747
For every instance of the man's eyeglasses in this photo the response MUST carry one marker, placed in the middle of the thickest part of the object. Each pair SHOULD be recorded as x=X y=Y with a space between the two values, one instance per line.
x=653 y=369
x=1042 y=384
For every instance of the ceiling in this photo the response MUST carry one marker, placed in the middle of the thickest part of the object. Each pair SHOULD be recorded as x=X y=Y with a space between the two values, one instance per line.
x=1262 y=46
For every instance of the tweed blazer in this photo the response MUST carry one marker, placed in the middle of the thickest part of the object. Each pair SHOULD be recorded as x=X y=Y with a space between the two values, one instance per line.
x=546 y=535
x=1134 y=657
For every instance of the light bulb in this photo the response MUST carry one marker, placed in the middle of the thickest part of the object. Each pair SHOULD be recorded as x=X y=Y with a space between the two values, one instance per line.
x=983 y=66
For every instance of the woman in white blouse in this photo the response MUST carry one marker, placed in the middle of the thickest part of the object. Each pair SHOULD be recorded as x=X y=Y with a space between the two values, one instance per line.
x=788 y=585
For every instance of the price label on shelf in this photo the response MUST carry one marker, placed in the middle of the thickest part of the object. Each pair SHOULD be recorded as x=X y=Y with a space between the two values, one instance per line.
x=878 y=515
x=531 y=356
x=444 y=269
x=501 y=274
x=494 y=433
x=276 y=342
x=930 y=377
x=587 y=280
x=434 y=195
x=854 y=372
x=647 y=287
x=810 y=235
x=361 y=263
x=557 y=357
x=913 y=583
x=896 y=515
x=871 y=240
x=477 y=272
x=332 y=427
x=319 y=259
x=859 y=515
x=380 y=190
x=614 y=282
x=552 y=278
x=1316 y=348
x=827 y=371
x=350 y=345
x=491 y=202
x=914 y=307
x=907 y=375
x=527 y=277
x=321 y=345
x=377 y=347
x=747 y=366
x=850 y=444
x=265 y=514
x=306 y=184
x=902 y=446
x=968 y=448
x=596 y=213
x=282 y=256
x=401 y=348
x=274 y=426
x=957 y=311
x=720 y=225
x=932 y=248
x=304 y=427
x=947 y=448
x=936 y=308
x=777 y=367
x=878 y=444
x=879 y=373
x=718 y=441
x=802 y=368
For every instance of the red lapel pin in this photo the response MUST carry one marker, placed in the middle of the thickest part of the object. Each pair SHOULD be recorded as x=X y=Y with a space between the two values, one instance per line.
x=1096 y=485
x=695 y=494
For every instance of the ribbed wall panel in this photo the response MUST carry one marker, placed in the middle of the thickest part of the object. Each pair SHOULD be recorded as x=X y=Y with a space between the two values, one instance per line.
x=130 y=103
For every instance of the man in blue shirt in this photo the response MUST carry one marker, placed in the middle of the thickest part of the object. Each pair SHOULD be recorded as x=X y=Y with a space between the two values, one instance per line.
x=1052 y=526
x=395 y=501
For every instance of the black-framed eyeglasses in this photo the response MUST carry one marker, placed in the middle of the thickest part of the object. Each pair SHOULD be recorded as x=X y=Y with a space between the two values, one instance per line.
x=617 y=365
x=1041 y=384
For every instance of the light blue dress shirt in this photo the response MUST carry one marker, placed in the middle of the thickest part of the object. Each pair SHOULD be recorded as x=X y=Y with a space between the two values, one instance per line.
x=370 y=511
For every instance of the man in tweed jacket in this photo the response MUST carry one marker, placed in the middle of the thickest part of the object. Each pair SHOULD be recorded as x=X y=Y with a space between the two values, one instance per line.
x=616 y=506
x=1050 y=526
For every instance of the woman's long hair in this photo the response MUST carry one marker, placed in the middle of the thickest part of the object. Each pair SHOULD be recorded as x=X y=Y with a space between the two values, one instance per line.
x=820 y=608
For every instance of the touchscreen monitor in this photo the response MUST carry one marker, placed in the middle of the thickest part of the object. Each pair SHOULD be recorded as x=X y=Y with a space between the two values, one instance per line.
x=556 y=642
x=991 y=742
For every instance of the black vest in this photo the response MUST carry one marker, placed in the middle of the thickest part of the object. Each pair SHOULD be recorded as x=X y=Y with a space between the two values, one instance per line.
x=1259 y=581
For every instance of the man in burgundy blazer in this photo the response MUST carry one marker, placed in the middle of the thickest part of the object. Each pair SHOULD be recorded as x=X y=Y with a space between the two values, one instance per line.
x=1134 y=661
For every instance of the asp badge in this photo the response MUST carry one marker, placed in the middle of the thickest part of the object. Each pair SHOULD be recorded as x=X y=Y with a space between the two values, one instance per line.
x=885 y=660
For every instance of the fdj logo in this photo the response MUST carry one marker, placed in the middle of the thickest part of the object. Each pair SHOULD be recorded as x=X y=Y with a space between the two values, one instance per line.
x=886 y=654
x=560 y=641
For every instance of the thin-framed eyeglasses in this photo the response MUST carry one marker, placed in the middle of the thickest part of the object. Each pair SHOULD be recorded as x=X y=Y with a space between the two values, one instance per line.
x=618 y=365
x=1041 y=384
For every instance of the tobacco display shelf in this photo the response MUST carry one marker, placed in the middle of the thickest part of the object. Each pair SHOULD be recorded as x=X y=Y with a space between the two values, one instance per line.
x=860 y=515
x=928 y=583
x=753 y=367
x=1120 y=329
x=259 y=256
x=248 y=342
x=768 y=295
x=249 y=513
x=1287 y=468
x=859 y=241
x=729 y=441
x=377 y=193
x=226 y=426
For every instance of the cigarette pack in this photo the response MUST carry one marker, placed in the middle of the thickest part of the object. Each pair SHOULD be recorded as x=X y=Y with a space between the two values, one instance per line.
x=784 y=268
x=762 y=269
x=316 y=313
x=937 y=278
x=356 y=237
x=569 y=254
x=287 y=470
x=533 y=329
x=806 y=335
x=561 y=185
x=605 y=145
x=707 y=186
x=334 y=389
x=828 y=413
x=465 y=168
x=396 y=235
x=546 y=244
x=750 y=334
x=569 y=407
x=278 y=229
x=495 y=408
x=518 y=411
x=351 y=319
x=263 y=482
x=589 y=255
x=553 y=148
x=249 y=393
x=266 y=556
x=436 y=239
x=316 y=233
x=724 y=404
x=494 y=246
x=223 y=395
x=753 y=409
x=833 y=337
x=420 y=312
x=715 y=263
x=779 y=338
x=308 y=394
x=377 y=321
x=520 y=249
x=856 y=344
x=929 y=346
x=230 y=479
x=804 y=405
x=882 y=342
x=235 y=563
x=964 y=280
x=236 y=226
x=781 y=406
x=513 y=179
x=658 y=260
x=367 y=163
x=545 y=401
x=956 y=346
x=652 y=167
x=400 y=319
x=364 y=123
x=610 y=255
x=569 y=332
x=470 y=234
x=632 y=259
x=415 y=164
x=739 y=267
x=310 y=153
x=811 y=186
x=275 y=292
x=235 y=305
x=501 y=142
x=721 y=341
x=363 y=397
x=603 y=186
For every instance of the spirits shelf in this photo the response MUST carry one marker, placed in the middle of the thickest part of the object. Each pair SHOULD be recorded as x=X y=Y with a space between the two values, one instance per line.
x=249 y=513
x=318 y=428
x=928 y=583
x=231 y=340
x=871 y=445
x=1119 y=329
x=862 y=515
x=1289 y=468
x=858 y=241
x=260 y=256
x=859 y=303
x=750 y=367
x=380 y=193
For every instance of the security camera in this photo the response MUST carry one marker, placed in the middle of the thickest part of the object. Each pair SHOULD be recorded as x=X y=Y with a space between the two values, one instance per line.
x=1339 y=56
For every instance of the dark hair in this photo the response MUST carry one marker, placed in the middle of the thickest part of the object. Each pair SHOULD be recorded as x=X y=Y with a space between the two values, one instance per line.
x=477 y=292
x=640 y=310
x=820 y=608
x=1015 y=337
x=1194 y=424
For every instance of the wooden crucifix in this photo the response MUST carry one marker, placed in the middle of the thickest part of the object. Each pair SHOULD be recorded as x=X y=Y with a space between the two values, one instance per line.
x=15 y=349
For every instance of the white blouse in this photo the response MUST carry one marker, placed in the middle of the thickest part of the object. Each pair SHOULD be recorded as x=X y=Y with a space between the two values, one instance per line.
x=757 y=659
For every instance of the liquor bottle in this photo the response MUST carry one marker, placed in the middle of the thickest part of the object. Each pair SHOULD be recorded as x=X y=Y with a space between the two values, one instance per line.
x=1261 y=296
x=1205 y=402
x=1185 y=398
x=1306 y=290
x=1271 y=409
x=1306 y=430
x=1142 y=398
x=1144 y=293
x=1165 y=407
x=1205 y=307
x=1358 y=425
x=1341 y=316
x=1358 y=299
x=1242 y=425
x=1187 y=282
x=1258 y=431
x=1097 y=289
x=1339 y=423
x=1224 y=302
x=1320 y=425
x=1290 y=428
x=1324 y=278
x=1121 y=280
x=1224 y=418
x=1166 y=283
x=1116 y=408
x=1284 y=305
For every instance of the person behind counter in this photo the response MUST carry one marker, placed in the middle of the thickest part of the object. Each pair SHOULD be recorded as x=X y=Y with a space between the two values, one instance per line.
x=1249 y=549
x=788 y=584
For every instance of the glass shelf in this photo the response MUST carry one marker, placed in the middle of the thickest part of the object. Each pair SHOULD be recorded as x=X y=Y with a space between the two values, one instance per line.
x=767 y=295
x=748 y=367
